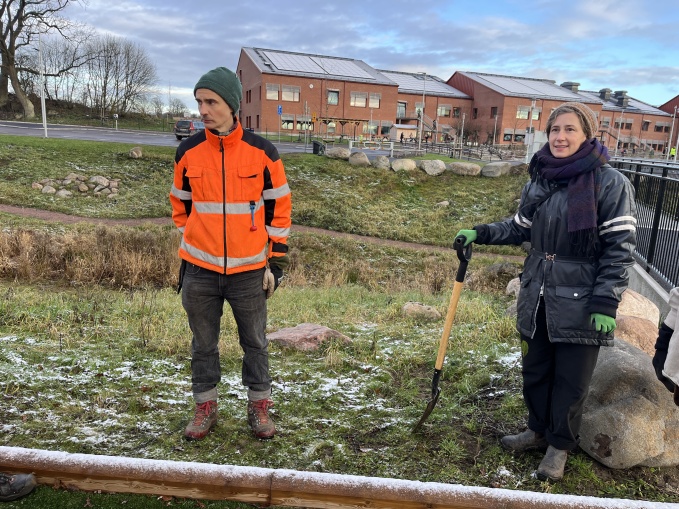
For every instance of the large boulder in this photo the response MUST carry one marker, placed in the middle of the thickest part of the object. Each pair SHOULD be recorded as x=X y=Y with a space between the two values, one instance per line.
x=465 y=169
x=338 y=153
x=496 y=169
x=403 y=165
x=635 y=304
x=419 y=311
x=432 y=167
x=359 y=159
x=638 y=332
x=306 y=336
x=381 y=162
x=629 y=417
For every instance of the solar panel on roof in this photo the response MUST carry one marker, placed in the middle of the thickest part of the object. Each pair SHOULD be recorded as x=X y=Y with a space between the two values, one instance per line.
x=316 y=65
x=341 y=67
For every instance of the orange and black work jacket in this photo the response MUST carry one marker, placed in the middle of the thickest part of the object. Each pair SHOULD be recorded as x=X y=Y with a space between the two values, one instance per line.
x=231 y=201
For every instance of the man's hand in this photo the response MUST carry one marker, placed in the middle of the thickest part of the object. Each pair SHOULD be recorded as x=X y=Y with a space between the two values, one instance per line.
x=467 y=236
x=269 y=282
x=603 y=323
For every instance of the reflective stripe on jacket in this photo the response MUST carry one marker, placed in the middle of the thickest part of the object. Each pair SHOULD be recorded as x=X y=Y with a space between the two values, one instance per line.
x=231 y=201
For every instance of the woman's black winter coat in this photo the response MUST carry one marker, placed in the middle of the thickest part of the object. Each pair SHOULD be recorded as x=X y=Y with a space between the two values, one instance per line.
x=573 y=287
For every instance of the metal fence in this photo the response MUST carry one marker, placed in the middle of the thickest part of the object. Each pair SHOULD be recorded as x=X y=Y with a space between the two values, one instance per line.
x=656 y=185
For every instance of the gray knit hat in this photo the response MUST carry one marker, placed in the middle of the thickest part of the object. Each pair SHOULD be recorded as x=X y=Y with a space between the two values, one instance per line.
x=224 y=83
x=590 y=124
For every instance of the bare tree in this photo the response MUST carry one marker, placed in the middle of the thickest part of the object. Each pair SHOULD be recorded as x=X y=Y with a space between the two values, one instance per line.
x=157 y=106
x=20 y=23
x=119 y=76
x=177 y=107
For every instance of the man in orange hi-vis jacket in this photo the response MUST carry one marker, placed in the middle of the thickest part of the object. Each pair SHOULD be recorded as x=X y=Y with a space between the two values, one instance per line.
x=231 y=201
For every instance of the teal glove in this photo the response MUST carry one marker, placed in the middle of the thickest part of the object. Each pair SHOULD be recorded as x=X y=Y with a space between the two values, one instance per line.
x=468 y=236
x=603 y=323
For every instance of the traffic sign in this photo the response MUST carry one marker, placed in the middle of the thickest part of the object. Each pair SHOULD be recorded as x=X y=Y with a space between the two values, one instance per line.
x=280 y=109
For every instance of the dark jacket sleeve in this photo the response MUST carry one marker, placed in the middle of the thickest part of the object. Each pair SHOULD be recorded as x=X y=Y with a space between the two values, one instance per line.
x=617 y=237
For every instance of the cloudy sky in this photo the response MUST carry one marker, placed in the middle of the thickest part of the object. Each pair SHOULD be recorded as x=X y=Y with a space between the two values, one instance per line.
x=618 y=44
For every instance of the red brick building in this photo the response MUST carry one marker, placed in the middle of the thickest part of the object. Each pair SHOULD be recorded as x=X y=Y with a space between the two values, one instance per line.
x=333 y=96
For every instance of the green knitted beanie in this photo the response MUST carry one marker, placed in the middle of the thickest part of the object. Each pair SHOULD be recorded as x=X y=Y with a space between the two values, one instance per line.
x=224 y=83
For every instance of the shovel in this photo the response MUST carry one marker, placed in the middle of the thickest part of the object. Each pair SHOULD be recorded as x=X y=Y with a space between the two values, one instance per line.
x=464 y=255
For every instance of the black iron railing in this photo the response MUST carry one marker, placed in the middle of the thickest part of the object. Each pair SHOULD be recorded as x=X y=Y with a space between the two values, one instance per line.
x=656 y=185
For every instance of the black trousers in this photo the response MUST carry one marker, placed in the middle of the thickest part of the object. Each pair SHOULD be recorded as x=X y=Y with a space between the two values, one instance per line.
x=556 y=378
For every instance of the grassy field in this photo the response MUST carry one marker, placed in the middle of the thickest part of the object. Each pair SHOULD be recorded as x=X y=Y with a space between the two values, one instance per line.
x=94 y=344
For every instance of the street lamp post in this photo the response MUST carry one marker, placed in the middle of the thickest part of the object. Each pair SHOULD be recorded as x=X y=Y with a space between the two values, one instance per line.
x=42 y=86
x=617 y=142
x=495 y=129
x=529 y=136
x=424 y=86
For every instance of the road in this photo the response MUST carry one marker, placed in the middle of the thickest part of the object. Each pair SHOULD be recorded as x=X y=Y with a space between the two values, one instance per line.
x=133 y=137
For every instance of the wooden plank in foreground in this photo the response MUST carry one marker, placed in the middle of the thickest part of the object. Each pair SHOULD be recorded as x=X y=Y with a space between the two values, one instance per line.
x=261 y=486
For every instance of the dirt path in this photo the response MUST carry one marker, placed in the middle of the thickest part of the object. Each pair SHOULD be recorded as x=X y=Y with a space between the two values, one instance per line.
x=47 y=215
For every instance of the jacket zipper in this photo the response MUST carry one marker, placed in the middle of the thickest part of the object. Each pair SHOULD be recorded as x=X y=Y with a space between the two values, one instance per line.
x=221 y=149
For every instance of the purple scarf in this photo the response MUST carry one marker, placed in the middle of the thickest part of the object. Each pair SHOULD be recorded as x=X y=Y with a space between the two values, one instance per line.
x=578 y=171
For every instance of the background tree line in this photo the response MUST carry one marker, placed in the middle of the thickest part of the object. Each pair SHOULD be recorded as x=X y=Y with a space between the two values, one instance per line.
x=106 y=73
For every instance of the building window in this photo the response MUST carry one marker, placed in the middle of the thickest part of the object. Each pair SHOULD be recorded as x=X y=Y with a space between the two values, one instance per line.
x=507 y=137
x=444 y=110
x=375 y=99
x=287 y=121
x=493 y=112
x=658 y=127
x=536 y=113
x=370 y=128
x=272 y=91
x=401 y=109
x=522 y=112
x=475 y=113
x=519 y=137
x=606 y=122
x=290 y=93
x=330 y=129
x=644 y=125
x=359 y=99
x=418 y=109
x=304 y=123
x=386 y=128
x=456 y=112
x=333 y=97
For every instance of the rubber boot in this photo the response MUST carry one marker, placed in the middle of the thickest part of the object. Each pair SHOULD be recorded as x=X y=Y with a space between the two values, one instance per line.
x=524 y=441
x=552 y=465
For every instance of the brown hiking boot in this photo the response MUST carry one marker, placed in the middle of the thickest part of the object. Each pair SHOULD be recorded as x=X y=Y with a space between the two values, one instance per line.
x=259 y=420
x=15 y=486
x=524 y=441
x=204 y=419
x=552 y=465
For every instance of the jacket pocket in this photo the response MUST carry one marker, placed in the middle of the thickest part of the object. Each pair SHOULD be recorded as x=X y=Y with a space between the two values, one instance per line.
x=572 y=305
x=198 y=180
x=249 y=183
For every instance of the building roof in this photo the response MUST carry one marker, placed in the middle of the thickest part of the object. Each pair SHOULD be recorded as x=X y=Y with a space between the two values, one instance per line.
x=515 y=86
x=287 y=63
x=414 y=83
x=633 y=105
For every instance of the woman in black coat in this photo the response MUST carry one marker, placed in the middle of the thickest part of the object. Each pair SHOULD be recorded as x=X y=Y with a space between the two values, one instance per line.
x=579 y=215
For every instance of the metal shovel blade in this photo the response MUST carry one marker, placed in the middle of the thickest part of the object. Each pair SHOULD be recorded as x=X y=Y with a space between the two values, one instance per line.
x=428 y=410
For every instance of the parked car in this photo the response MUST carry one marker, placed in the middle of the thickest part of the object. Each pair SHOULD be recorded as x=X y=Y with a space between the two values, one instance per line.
x=186 y=128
